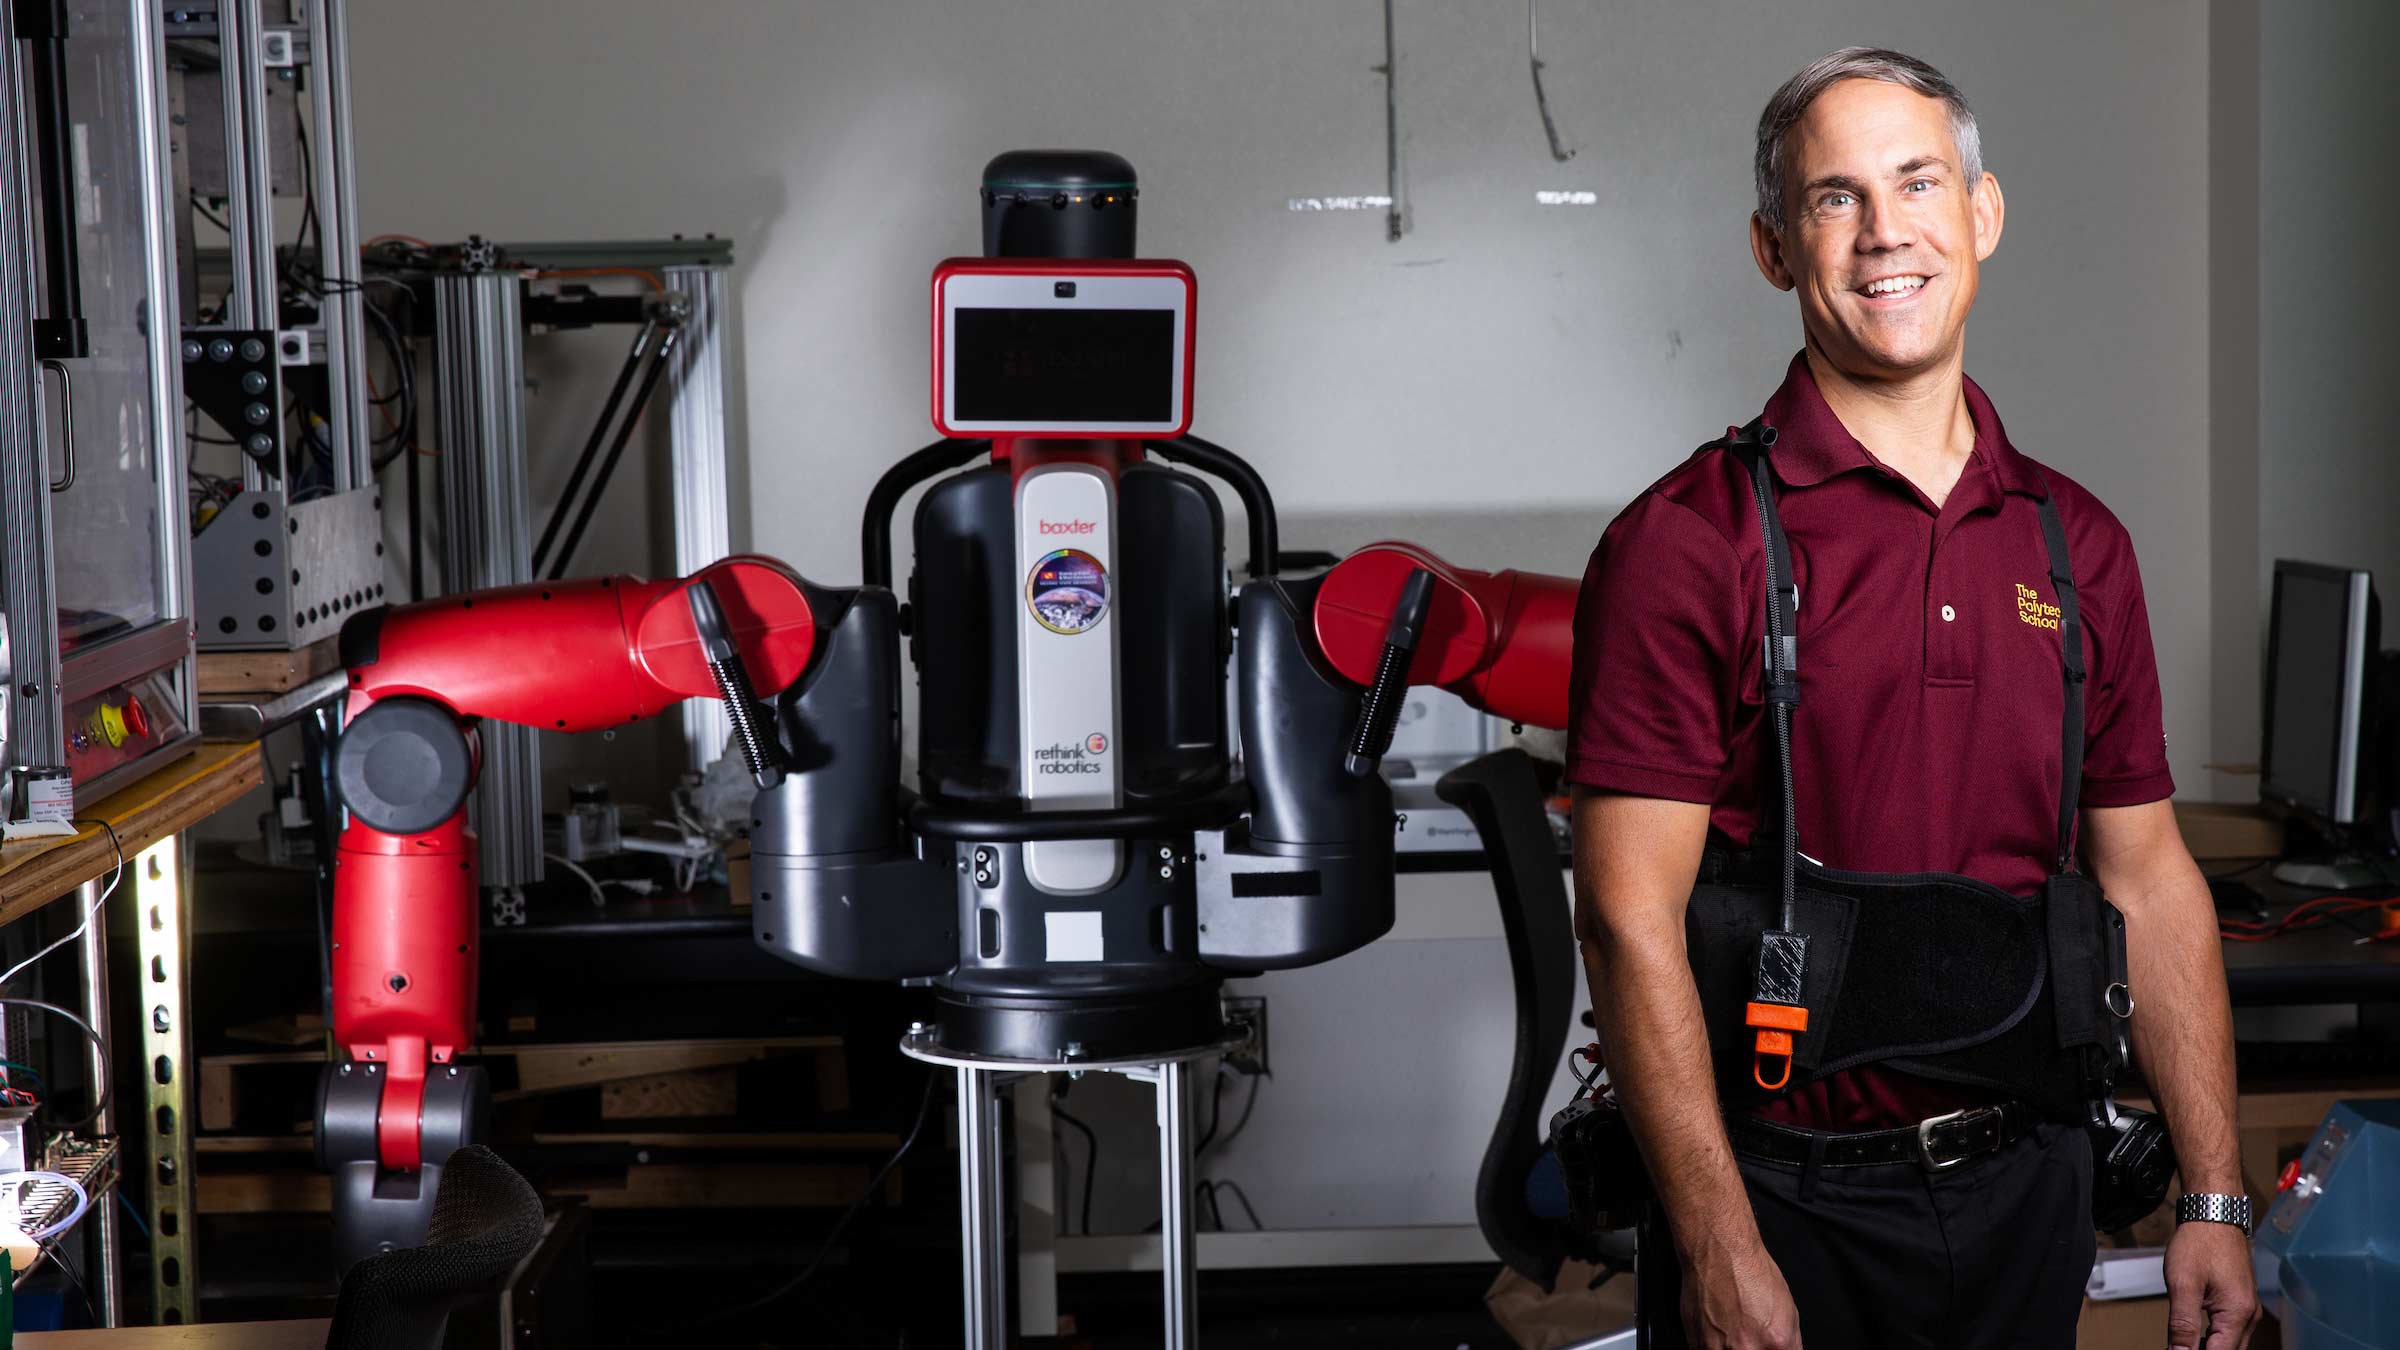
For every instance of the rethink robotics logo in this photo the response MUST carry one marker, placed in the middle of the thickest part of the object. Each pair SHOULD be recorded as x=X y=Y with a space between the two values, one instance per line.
x=1082 y=757
x=2030 y=609
x=1068 y=591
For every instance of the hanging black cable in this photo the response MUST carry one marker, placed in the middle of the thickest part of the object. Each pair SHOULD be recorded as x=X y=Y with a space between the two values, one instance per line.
x=591 y=444
x=1091 y=1158
x=616 y=449
x=416 y=536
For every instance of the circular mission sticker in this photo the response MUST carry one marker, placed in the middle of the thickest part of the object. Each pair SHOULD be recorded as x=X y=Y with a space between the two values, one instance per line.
x=1068 y=591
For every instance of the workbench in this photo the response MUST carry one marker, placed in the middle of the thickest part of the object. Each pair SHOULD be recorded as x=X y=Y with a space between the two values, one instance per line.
x=133 y=841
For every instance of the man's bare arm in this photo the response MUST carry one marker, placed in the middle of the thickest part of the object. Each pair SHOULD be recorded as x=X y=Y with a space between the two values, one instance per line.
x=2183 y=1040
x=1635 y=861
x=2182 y=1026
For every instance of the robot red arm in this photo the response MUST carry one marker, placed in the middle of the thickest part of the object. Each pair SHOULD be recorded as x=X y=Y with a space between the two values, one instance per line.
x=570 y=656
x=1500 y=640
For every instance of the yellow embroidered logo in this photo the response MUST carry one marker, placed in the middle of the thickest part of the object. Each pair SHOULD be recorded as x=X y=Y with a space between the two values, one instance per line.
x=2030 y=609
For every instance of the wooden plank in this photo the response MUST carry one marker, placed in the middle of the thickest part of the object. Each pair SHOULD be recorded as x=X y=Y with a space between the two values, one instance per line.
x=243 y=1059
x=179 y=795
x=292 y=1030
x=308 y=1334
x=223 y=673
x=833 y=1080
x=865 y=1141
x=216 y=1095
x=703 y=1092
x=253 y=1143
x=557 y=1068
x=720 y=1186
x=309 y=1192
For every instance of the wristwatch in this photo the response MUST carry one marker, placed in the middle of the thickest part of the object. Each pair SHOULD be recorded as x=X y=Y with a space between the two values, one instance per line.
x=2232 y=1209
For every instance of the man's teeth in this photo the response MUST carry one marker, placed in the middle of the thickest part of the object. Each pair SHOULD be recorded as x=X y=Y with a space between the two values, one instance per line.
x=1894 y=285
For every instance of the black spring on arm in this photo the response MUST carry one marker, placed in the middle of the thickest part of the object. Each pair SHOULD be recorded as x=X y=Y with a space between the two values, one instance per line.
x=1379 y=710
x=733 y=683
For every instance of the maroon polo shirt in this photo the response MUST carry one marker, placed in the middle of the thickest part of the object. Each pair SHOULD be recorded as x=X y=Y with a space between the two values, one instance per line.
x=1927 y=736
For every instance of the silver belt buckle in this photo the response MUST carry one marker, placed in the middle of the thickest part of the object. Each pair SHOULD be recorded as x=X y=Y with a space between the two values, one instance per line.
x=1925 y=1129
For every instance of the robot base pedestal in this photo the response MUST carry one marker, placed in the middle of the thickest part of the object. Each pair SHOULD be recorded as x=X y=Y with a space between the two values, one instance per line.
x=1144 y=1027
x=981 y=1187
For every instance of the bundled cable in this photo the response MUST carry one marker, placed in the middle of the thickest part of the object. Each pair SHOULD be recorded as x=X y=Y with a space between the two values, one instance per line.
x=83 y=1199
x=2317 y=913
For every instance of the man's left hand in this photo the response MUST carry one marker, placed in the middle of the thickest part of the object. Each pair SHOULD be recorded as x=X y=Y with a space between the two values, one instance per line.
x=2212 y=1300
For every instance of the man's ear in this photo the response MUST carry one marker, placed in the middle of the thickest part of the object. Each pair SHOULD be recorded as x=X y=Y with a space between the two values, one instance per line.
x=1990 y=210
x=1767 y=248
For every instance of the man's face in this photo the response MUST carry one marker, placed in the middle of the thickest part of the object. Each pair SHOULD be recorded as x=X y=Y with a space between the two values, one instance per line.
x=1882 y=232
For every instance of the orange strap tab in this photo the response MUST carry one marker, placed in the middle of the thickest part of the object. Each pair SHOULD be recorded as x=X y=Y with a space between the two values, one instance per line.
x=1781 y=1016
x=1777 y=1023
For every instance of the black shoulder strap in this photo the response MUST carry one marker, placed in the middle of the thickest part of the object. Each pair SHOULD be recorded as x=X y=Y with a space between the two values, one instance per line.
x=1782 y=666
x=1751 y=446
x=2070 y=646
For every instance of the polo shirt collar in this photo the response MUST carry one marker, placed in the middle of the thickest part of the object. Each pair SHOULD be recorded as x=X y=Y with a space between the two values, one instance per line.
x=1812 y=445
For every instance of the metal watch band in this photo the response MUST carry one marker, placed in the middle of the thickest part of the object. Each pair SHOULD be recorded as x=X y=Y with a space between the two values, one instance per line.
x=2232 y=1209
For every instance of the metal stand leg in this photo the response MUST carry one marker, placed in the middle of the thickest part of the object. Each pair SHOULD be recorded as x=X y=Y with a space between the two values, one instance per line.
x=159 y=924
x=94 y=954
x=1177 y=1260
x=1039 y=1216
x=979 y=1203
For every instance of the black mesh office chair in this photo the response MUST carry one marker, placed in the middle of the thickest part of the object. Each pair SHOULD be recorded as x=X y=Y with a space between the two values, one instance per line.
x=1502 y=793
x=486 y=1221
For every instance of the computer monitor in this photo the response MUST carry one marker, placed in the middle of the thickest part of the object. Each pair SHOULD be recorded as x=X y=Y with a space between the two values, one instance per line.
x=2322 y=636
x=2321 y=632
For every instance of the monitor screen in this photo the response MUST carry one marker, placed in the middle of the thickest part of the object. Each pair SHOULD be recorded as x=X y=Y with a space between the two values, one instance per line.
x=1064 y=367
x=2314 y=676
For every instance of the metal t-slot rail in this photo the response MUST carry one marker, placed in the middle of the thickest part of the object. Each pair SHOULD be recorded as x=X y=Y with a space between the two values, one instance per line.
x=480 y=386
x=296 y=551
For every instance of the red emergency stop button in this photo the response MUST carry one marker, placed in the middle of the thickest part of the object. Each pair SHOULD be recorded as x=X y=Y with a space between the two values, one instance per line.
x=137 y=717
x=2290 y=1174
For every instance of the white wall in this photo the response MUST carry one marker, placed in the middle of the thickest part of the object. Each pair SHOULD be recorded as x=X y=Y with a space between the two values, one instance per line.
x=1503 y=358
x=2303 y=461
x=1497 y=384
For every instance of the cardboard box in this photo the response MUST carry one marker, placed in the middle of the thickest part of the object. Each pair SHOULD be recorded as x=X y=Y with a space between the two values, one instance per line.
x=2218 y=830
x=2141 y=1324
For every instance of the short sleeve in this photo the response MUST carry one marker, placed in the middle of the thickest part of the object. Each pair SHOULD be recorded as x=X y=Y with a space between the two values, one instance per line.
x=2125 y=739
x=1657 y=637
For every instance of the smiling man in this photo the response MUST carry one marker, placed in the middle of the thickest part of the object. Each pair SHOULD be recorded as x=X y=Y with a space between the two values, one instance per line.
x=1942 y=730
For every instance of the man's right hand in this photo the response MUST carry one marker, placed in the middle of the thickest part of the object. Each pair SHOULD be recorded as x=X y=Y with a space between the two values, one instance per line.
x=1735 y=1299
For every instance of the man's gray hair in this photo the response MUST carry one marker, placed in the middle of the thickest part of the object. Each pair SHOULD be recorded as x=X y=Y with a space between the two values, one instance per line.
x=1792 y=101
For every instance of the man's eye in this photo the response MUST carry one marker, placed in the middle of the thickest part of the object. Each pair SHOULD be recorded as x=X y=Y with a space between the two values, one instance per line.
x=1919 y=185
x=1834 y=199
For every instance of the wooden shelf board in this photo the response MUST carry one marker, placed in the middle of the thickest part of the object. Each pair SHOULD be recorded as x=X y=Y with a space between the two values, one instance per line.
x=223 y=673
x=179 y=795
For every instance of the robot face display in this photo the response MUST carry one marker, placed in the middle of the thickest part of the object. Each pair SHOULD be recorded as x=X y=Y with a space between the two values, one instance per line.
x=1051 y=348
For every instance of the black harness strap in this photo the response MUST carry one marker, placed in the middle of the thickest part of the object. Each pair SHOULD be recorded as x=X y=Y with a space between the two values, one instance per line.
x=2070 y=639
x=1841 y=959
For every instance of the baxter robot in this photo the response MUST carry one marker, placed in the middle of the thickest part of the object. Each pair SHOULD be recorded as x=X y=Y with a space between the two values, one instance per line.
x=1091 y=846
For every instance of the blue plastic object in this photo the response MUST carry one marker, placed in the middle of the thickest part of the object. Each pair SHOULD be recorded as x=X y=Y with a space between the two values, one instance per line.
x=2328 y=1254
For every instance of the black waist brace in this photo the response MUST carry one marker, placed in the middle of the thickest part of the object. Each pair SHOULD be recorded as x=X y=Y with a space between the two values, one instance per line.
x=1936 y=975
x=1804 y=971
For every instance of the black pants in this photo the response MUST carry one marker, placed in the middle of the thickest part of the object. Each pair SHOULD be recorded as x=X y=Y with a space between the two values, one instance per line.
x=1990 y=1255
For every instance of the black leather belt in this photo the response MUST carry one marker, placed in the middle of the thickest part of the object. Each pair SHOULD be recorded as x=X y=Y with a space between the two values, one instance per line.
x=1936 y=1144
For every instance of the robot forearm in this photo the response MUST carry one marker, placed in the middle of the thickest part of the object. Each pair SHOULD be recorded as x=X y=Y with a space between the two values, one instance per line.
x=1500 y=640
x=569 y=656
